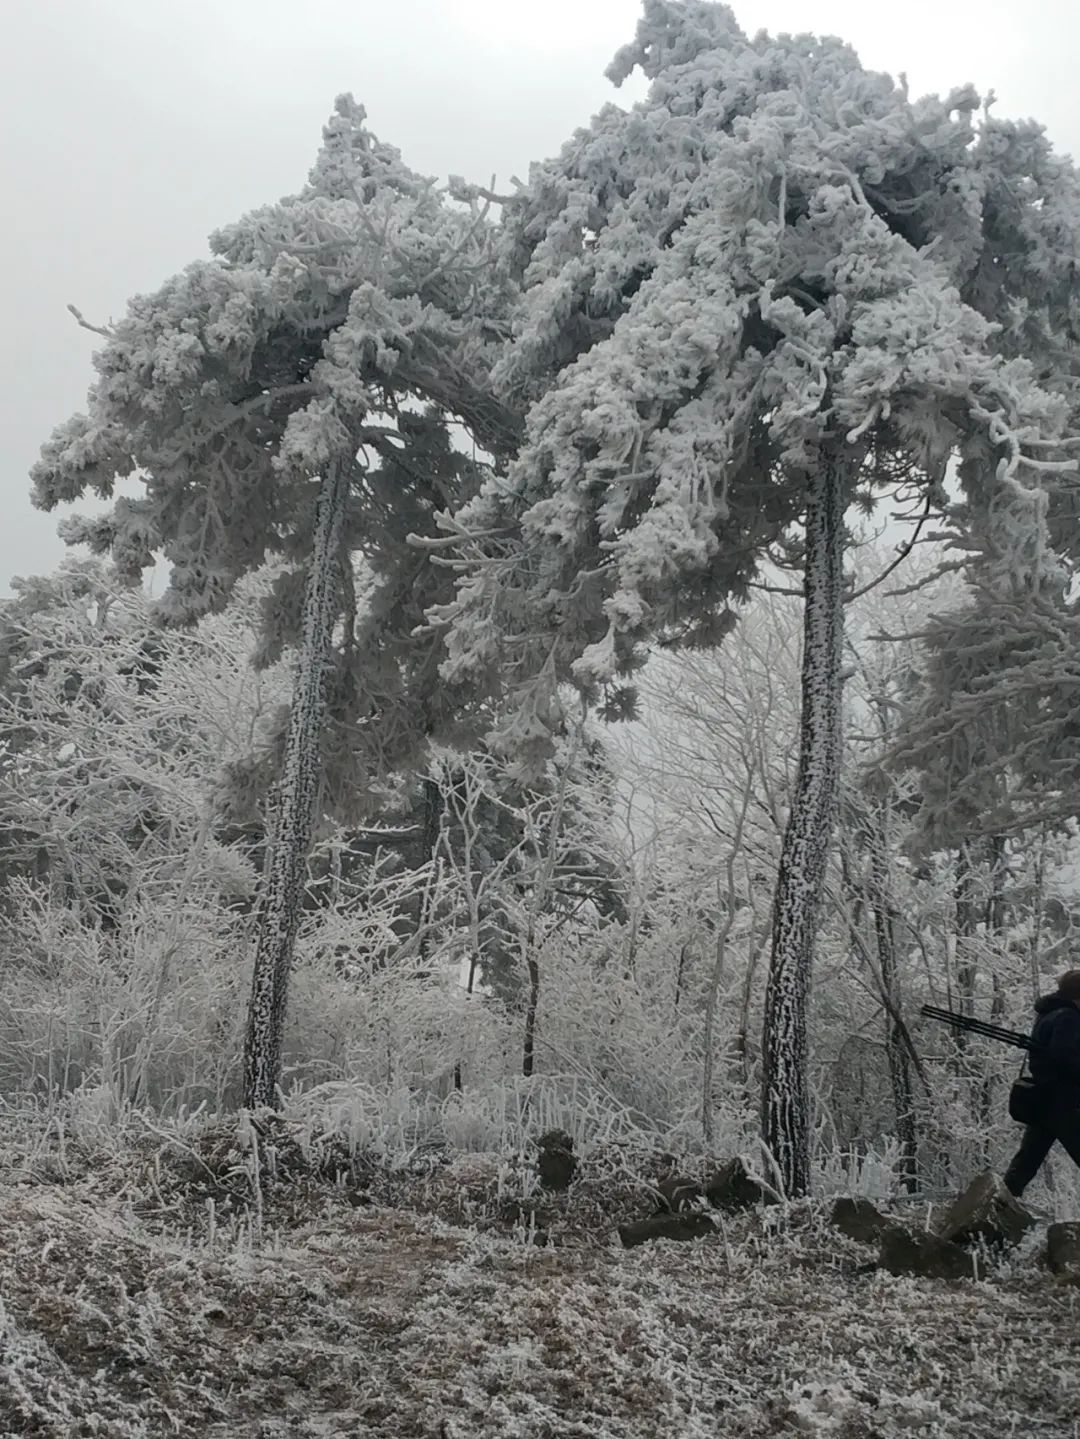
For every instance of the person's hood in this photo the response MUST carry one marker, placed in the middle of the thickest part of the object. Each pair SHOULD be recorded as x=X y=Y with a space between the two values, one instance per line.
x=1050 y=1002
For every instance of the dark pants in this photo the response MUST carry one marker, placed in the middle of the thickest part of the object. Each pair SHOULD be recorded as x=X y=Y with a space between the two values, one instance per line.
x=1061 y=1126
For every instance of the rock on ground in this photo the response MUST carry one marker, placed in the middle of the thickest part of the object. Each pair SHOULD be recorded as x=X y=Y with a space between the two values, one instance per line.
x=407 y=1325
x=665 y=1226
x=731 y=1187
x=1063 y=1251
x=919 y=1252
x=678 y=1194
x=985 y=1211
x=555 y=1160
x=858 y=1219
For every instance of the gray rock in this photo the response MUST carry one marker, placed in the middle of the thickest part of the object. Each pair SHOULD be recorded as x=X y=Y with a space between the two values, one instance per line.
x=919 y=1252
x=692 y=1225
x=1063 y=1250
x=985 y=1211
x=555 y=1159
x=677 y=1194
x=858 y=1219
x=731 y=1187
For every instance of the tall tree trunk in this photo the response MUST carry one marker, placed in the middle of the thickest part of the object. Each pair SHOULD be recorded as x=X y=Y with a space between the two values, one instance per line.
x=289 y=844
x=966 y=927
x=709 y=1039
x=895 y=1047
x=532 y=1006
x=964 y=930
x=741 y=1069
x=728 y=897
x=996 y=860
x=431 y=833
x=967 y=1064
x=801 y=877
x=680 y=970
x=1038 y=915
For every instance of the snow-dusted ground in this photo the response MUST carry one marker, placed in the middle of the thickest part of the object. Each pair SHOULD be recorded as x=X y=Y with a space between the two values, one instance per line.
x=428 y=1313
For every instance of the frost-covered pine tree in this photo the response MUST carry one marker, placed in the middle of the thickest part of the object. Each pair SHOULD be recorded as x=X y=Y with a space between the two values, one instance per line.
x=276 y=401
x=769 y=291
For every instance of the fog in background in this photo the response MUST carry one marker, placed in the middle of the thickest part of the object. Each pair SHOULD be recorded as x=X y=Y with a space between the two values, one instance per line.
x=132 y=128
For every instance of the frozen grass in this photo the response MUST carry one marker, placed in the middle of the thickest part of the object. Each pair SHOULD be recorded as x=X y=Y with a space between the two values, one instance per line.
x=215 y=1280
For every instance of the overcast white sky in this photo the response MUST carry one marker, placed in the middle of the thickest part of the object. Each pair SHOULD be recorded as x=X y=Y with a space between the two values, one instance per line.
x=132 y=128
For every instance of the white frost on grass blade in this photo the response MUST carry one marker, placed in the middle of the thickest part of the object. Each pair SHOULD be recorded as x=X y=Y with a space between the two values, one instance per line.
x=393 y=1322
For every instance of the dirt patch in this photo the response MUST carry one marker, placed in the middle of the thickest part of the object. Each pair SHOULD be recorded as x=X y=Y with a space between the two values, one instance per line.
x=391 y=1322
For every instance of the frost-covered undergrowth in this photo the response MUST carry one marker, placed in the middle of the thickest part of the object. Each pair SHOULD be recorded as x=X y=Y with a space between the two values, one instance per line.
x=182 y=1288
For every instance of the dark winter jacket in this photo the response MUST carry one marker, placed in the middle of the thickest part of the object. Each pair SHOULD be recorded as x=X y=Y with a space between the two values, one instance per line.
x=1057 y=1033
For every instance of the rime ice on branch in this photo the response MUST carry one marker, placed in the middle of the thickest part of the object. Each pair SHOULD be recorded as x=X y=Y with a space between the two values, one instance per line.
x=772 y=289
x=313 y=368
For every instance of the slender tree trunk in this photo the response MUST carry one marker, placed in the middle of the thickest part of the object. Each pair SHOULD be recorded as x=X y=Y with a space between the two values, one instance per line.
x=895 y=1048
x=1038 y=904
x=679 y=972
x=427 y=902
x=740 y=1049
x=729 y=898
x=532 y=1006
x=964 y=927
x=966 y=1063
x=709 y=1040
x=995 y=900
x=995 y=927
x=290 y=842
x=801 y=877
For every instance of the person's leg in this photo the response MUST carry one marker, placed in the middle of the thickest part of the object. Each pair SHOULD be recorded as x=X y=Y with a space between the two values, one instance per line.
x=1034 y=1147
x=1066 y=1121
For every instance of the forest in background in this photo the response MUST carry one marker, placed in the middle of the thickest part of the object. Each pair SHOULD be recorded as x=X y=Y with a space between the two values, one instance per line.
x=484 y=960
x=525 y=735
x=550 y=681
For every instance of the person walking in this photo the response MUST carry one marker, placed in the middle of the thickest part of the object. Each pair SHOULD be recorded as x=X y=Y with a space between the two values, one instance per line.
x=1055 y=1066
